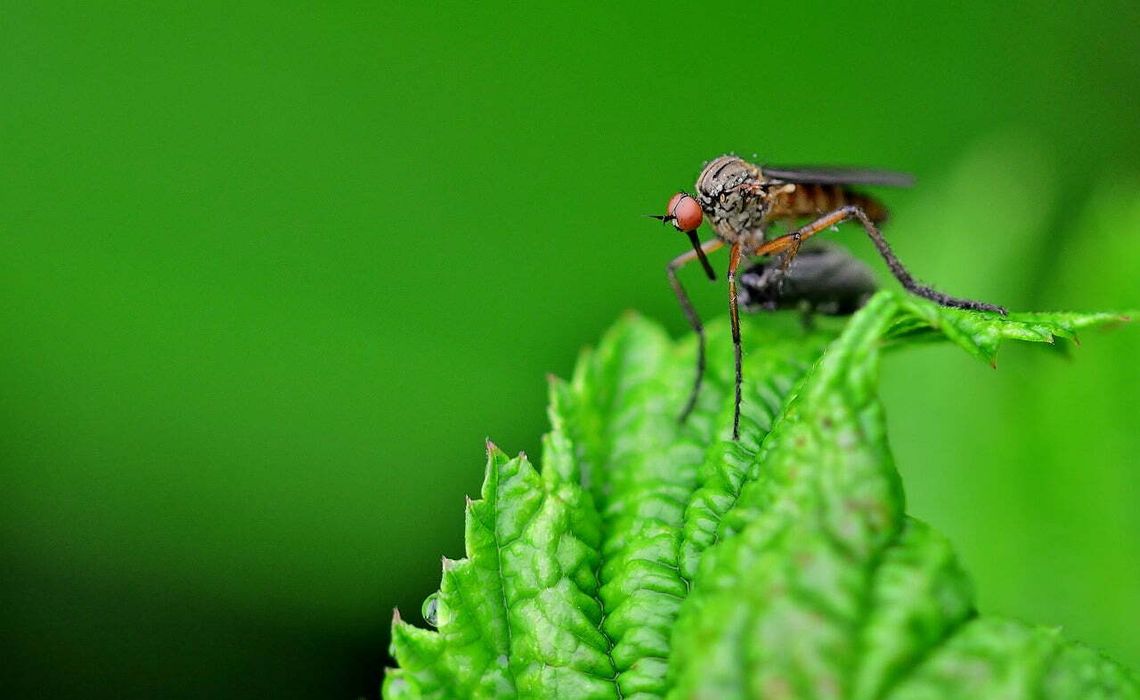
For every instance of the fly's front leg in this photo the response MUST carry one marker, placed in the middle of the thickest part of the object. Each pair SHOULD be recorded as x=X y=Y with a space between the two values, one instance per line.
x=693 y=318
x=791 y=242
x=734 y=316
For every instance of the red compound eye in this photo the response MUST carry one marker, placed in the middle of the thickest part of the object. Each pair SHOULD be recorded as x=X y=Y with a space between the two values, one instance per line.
x=684 y=211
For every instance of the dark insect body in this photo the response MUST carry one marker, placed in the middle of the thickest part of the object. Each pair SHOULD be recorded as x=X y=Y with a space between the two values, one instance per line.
x=825 y=280
x=742 y=200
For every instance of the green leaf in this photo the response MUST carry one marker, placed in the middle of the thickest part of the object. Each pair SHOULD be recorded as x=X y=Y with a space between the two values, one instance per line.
x=980 y=334
x=652 y=559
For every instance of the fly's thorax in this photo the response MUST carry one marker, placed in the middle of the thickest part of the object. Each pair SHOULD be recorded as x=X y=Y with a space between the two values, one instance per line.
x=722 y=174
x=728 y=192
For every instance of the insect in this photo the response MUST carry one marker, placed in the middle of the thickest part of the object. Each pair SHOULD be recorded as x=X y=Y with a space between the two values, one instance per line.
x=742 y=201
x=825 y=280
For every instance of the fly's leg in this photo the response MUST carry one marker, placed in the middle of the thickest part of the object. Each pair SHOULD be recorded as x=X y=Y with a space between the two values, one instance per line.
x=691 y=315
x=734 y=316
x=791 y=242
x=807 y=317
x=780 y=272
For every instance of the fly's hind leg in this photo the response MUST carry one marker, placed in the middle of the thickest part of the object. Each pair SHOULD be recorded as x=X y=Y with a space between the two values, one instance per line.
x=792 y=241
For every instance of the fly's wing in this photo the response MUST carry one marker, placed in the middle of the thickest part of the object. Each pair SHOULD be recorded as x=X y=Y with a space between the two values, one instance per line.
x=837 y=176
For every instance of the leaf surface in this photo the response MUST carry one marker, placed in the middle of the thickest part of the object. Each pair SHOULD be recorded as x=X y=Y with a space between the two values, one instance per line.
x=651 y=559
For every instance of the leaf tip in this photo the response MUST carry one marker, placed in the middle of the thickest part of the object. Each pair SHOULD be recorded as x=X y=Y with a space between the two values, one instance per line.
x=396 y=618
x=492 y=448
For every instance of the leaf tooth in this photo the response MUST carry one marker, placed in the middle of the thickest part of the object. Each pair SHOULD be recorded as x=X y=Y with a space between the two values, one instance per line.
x=396 y=619
x=492 y=473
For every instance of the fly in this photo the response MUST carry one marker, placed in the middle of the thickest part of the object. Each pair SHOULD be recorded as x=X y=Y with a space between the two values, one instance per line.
x=742 y=201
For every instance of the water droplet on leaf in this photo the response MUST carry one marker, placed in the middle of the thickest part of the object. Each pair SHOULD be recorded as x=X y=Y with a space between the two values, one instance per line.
x=430 y=610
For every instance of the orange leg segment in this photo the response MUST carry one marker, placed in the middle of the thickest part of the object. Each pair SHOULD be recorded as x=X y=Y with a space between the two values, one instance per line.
x=789 y=245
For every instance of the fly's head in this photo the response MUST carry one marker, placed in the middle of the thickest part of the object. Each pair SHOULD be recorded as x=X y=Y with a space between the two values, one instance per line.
x=683 y=212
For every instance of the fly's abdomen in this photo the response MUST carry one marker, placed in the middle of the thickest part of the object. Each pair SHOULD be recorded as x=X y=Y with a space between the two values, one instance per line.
x=811 y=200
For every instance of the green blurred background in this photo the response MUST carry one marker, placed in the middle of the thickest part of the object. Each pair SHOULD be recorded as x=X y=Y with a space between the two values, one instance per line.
x=270 y=272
